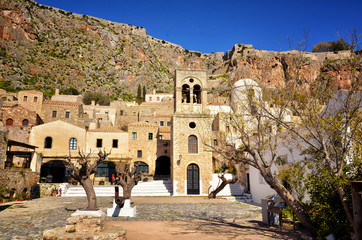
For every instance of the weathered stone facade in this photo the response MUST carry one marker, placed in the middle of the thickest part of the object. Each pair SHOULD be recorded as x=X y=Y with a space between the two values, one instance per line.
x=20 y=116
x=71 y=112
x=31 y=100
x=192 y=166
x=19 y=181
x=143 y=143
x=3 y=144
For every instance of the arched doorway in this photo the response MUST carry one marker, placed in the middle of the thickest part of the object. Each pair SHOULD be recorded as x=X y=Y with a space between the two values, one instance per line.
x=56 y=169
x=163 y=165
x=142 y=167
x=105 y=170
x=193 y=186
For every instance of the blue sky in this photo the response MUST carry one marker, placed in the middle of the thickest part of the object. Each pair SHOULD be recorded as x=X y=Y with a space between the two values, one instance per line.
x=215 y=26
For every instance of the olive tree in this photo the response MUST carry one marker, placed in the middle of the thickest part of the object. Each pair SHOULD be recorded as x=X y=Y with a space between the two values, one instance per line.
x=81 y=169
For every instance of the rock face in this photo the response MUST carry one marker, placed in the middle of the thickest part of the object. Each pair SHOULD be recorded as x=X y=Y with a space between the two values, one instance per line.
x=48 y=48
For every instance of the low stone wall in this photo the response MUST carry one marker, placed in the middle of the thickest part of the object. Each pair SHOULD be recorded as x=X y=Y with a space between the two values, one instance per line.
x=21 y=182
x=47 y=189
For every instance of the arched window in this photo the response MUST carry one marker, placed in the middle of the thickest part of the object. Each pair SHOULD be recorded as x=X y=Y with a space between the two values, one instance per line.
x=48 y=142
x=25 y=122
x=185 y=93
x=193 y=144
x=73 y=144
x=141 y=167
x=197 y=94
x=9 y=122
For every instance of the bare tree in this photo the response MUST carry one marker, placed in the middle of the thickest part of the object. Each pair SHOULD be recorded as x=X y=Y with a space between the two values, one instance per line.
x=127 y=179
x=251 y=138
x=81 y=171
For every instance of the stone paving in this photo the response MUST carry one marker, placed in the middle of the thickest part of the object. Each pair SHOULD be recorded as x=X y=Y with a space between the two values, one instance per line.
x=28 y=219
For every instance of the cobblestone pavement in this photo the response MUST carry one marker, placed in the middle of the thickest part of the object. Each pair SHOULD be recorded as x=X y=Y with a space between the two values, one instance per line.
x=28 y=219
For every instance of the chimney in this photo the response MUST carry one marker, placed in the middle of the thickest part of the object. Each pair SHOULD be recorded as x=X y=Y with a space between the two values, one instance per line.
x=93 y=103
x=154 y=92
x=57 y=91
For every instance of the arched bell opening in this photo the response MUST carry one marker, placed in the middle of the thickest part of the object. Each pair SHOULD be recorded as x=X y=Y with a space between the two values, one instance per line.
x=185 y=93
x=197 y=94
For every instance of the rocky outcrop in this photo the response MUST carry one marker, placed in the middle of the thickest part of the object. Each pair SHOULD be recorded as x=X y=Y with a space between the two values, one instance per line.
x=47 y=48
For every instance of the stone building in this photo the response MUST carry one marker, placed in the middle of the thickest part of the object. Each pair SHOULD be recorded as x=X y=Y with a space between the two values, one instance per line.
x=142 y=147
x=102 y=115
x=71 y=112
x=19 y=116
x=191 y=163
x=31 y=100
x=18 y=122
x=159 y=97
x=56 y=140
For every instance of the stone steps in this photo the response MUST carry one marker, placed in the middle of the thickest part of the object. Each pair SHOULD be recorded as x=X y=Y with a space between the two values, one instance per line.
x=151 y=188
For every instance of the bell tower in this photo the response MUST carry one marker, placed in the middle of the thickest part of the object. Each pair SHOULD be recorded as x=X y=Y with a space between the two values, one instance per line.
x=191 y=162
x=190 y=91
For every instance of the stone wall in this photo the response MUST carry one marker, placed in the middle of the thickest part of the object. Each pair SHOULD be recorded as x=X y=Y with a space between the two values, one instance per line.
x=3 y=144
x=21 y=181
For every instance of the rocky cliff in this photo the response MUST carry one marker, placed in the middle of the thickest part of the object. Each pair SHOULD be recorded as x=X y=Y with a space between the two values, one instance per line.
x=46 y=48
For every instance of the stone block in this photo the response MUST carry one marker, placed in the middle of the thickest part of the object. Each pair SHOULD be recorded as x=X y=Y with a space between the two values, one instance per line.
x=125 y=211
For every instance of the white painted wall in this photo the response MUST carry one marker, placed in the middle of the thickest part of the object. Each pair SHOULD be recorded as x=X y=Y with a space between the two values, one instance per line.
x=230 y=189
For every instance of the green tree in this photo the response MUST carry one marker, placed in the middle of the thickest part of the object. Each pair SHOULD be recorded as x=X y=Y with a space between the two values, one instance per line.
x=144 y=93
x=99 y=98
x=139 y=93
x=69 y=91
x=328 y=122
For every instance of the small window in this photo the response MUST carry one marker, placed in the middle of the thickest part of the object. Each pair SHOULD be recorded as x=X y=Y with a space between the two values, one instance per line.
x=48 y=142
x=150 y=98
x=9 y=122
x=121 y=113
x=160 y=137
x=25 y=98
x=158 y=98
x=25 y=122
x=216 y=142
x=139 y=153
x=73 y=144
x=134 y=113
x=86 y=128
x=192 y=144
x=192 y=125
x=168 y=123
x=99 y=142
x=115 y=143
x=54 y=114
x=106 y=113
x=227 y=129
x=67 y=114
x=150 y=136
x=35 y=99
x=161 y=123
x=134 y=135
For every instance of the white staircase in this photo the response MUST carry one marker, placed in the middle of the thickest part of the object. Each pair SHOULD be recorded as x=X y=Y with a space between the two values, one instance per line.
x=151 y=188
